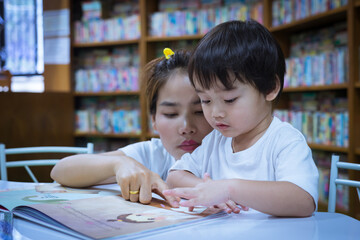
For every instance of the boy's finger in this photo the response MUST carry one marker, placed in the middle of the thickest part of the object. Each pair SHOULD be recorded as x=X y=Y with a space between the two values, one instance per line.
x=172 y=200
x=189 y=203
x=186 y=193
x=234 y=208
x=224 y=207
x=245 y=208
x=206 y=176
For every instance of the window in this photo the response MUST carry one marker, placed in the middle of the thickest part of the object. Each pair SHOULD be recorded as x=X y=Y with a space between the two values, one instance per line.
x=23 y=47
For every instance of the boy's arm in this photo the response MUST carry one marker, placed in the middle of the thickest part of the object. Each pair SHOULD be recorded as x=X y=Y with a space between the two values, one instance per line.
x=274 y=198
x=180 y=178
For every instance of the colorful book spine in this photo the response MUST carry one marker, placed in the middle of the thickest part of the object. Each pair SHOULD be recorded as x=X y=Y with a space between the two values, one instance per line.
x=287 y=11
x=108 y=116
x=179 y=21
x=318 y=127
x=103 y=30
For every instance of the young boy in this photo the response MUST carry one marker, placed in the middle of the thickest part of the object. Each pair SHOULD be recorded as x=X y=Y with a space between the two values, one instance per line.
x=256 y=160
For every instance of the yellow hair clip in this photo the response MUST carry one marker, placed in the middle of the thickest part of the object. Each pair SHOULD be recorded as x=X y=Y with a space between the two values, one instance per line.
x=168 y=52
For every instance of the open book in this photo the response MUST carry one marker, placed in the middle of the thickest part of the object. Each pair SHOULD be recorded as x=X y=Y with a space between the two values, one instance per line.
x=98 y=214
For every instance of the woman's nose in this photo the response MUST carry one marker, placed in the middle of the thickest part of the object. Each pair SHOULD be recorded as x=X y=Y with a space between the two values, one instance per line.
x=187 y=127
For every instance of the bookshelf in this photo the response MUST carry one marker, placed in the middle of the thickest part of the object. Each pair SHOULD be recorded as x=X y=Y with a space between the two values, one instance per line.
x=349 y=14
x=148 y=48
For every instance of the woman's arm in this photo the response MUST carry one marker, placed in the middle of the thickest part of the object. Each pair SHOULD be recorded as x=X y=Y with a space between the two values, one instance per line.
x=85 y=170
x=271 y=197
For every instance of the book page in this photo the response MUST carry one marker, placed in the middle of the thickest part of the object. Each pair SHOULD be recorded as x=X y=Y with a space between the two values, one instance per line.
x=111 y=216
x=51 y=193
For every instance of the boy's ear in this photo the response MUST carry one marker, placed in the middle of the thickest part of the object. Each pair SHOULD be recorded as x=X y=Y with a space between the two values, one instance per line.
x=153 y=122
x=273 y=94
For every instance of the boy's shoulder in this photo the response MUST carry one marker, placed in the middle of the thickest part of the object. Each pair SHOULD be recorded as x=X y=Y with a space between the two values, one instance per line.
x=284 y=130
x=214 y=135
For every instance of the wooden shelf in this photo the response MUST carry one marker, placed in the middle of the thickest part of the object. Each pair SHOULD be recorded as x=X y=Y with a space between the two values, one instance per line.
x=328 y=148
x=325 y=18
x=152 y=135
x=100 y=94
x=357 y=84
x=105 y=44
x=357 y=151
x=108 y=135
x=322 y=206
x=178 y=38
x=317 y=88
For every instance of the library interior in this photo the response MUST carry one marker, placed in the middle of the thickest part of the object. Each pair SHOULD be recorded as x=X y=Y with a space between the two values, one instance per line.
x=70 y=73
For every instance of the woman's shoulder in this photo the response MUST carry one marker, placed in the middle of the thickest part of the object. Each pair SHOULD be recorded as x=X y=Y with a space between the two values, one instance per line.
x=153 y=145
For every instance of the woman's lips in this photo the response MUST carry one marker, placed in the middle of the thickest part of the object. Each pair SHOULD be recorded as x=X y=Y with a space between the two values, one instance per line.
x=189 y=145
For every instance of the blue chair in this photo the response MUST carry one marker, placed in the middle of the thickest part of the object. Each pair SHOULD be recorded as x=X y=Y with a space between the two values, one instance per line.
x=36 y=162
x=335 y=180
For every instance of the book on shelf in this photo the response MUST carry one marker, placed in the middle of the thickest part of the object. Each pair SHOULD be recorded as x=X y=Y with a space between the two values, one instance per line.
x=179 y=19
x=98 y=213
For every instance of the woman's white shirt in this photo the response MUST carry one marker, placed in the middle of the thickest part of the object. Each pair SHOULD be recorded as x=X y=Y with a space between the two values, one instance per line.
x=152 y=155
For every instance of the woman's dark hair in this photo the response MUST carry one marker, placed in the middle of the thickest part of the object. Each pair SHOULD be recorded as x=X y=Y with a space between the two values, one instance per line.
x=244 y=50
x=159 y=71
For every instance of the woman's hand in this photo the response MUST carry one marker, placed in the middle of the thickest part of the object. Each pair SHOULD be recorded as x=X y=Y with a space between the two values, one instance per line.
x=137 y=183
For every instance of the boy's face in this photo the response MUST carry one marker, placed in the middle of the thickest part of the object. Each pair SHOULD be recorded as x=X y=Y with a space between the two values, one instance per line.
x=242 y=112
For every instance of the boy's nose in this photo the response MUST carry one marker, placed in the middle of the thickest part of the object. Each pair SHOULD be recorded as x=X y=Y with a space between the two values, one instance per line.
x=217 y=112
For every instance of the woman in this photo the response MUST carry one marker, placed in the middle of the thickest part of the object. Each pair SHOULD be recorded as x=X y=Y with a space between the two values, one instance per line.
x=141 y=168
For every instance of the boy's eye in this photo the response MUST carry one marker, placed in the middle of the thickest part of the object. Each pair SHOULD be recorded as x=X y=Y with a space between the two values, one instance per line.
x=230 y=100
x=205 y=101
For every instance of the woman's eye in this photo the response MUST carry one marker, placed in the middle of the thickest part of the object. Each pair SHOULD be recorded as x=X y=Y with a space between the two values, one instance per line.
x=205 y=101
x=199 y=112
x=230 y=100
x=170 y=115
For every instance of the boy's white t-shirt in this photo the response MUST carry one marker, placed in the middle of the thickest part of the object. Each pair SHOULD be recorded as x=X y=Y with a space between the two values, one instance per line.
x=281 y=154
x=152 y=155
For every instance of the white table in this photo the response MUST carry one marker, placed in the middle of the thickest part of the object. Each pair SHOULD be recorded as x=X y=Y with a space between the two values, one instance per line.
x=246 y=225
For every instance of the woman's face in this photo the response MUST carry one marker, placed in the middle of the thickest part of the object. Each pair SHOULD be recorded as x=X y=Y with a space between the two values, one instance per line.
x=179 y=118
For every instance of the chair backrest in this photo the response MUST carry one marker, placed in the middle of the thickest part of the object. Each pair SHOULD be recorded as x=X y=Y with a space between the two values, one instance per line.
x=5 y=81
x=30 y=150
x=336 y=180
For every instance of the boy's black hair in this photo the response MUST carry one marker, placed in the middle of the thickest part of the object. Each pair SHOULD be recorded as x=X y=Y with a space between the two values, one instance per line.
x=245 y=49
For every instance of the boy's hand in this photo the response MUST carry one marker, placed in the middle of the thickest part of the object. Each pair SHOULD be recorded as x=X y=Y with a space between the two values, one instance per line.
x=209 y=193
x=230 y=206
